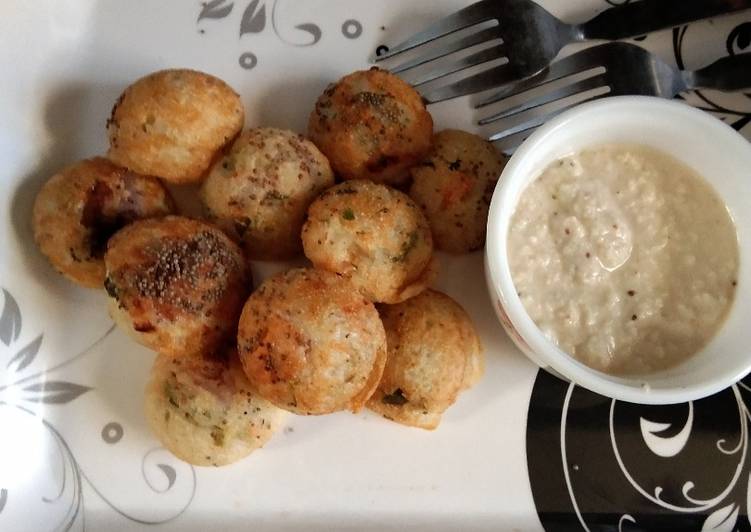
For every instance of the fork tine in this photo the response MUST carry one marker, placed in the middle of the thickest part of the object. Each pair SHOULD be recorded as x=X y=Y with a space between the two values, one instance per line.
x=468 y=16
x=537 y=121
x=449 y=48
x=477 y=58
x=568 y=66
x=564 y=92
x=509 y=144
x=481 y=81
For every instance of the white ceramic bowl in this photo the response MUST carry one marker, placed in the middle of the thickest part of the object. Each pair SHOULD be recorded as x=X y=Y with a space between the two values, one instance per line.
x=715 y=151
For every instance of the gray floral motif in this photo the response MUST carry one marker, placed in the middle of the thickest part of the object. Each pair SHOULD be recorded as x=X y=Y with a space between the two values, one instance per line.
x=112 y=432
x=215 y=9
x=26 y=355
x=10 y=320
x=248 y=60
x=311 y=29
x=54 y=392
x=351 y=29
x=253 y=21
x=37 y=388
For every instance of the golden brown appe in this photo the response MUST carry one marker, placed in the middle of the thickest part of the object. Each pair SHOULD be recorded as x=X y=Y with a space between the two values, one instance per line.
x=79 y=208
x=311 y=344
x=373 y=234
x=203 y=410
x=261 y=188
x=176 y=285
x=371 y=125
x=433 y=354
x=453 y=186
x=171 y=123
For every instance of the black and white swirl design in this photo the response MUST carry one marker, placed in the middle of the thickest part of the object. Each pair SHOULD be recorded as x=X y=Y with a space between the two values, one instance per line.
x=598 y=464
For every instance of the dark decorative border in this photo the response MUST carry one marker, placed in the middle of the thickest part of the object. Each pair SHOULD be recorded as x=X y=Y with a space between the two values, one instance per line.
x=597 y=464
x=738 y=40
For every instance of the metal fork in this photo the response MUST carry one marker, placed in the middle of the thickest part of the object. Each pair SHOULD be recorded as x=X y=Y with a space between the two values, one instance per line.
x=532 y=37
x=628 y=70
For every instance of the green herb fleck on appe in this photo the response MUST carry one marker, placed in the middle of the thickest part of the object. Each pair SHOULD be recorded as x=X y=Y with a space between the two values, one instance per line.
x=370 y=98
x=274 y=196
x=455 y=165
x=408 y=246
x=217 y=434
x=348 y=214
x=395 y=398
x=170 y=392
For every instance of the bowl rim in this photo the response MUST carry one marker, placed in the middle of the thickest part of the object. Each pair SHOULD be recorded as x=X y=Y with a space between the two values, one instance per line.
x=500 y=283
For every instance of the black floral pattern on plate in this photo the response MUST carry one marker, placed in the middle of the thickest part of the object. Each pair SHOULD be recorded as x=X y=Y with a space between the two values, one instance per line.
x=598 y=464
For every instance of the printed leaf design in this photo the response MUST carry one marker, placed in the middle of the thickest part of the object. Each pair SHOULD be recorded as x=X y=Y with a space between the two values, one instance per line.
x=26 y=355
x=55 y=392
x=666 y=446
x=722 y=520
x=10 y=320
x=253 y=21
x=314 y=30
x=3 y=498
x=215 y=9
x=741 y=122
x=625 y=518
x=169 y=472
x=739 y=38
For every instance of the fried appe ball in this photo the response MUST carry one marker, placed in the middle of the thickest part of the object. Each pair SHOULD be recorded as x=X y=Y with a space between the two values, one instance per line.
x=262 y=187
x=79 y=208
x=375 y=235
x=171 y=124
x=176 y=284
x=371 y=125
x=433 y=354
x=453 y=186
x=311 y=344
x=203 y=410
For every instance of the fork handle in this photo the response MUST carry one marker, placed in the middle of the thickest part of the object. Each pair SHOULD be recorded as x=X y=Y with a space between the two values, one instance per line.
x=729 y=74
x=646 y=16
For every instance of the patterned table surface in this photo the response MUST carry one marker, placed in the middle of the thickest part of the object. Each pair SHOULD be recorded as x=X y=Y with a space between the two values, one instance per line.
x=75 y=452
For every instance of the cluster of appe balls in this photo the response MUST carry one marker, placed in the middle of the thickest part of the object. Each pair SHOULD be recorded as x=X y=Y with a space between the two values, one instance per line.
x=366 y=197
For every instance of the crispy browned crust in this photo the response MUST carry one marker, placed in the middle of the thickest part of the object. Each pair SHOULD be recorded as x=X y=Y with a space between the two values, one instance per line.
x=453 y=186
x=172 y=123
x=79 y=208
x=310 y=343
x=375 y=235
x=203 y=409
x=371 y=125
x=176 y=284
x=261 y=188
x=433 y=354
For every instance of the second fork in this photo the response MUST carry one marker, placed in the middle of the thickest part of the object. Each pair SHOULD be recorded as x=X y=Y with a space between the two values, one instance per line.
x=530 y=37
x=618 y=69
